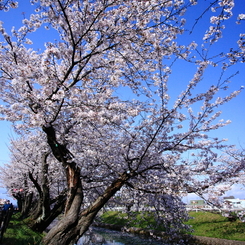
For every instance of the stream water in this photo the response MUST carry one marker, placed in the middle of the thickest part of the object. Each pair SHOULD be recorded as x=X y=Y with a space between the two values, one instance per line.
x=101 y=236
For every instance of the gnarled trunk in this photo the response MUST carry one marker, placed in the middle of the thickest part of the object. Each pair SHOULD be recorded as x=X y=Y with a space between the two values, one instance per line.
x=74 y=194
x=73 y=225
x=44 y=221
x=43 y=214
x=62 y=232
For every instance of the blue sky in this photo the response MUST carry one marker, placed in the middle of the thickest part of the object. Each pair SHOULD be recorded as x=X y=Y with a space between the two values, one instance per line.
x=235 y=110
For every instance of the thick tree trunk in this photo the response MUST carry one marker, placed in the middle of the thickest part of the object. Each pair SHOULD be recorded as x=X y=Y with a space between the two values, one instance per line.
x=26 y=205
x=75 y=223
x=44 y=215
x=41 y=213
x=43 y=222
x=60 y=234
x=72 y=226
x=74 y=194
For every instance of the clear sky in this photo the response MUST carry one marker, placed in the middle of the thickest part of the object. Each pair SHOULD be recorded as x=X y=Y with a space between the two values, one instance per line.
x=235 y=110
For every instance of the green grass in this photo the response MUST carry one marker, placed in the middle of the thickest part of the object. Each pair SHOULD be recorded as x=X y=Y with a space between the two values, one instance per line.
x=18 y=233
x=214 y=225
x=203 y=223
x=144 y=220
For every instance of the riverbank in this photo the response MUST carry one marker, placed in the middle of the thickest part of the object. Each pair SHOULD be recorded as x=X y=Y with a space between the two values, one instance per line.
x=209 y=228
x=194 y=240
x=18 y=232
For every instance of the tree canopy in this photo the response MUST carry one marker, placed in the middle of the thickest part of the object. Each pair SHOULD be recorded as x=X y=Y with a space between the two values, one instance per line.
x=94 y=111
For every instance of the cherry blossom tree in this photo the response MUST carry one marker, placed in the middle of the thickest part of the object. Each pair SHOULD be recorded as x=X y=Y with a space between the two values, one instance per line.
x=15 y=180
x=74 y=91
x=35 y=180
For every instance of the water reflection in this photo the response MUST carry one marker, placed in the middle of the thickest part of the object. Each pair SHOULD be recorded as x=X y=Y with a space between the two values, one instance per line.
x=101 y=236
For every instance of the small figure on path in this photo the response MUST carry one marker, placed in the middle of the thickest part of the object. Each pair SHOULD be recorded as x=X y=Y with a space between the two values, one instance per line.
x=7 y=206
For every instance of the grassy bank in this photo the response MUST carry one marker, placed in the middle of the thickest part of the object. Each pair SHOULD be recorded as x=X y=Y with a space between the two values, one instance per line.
x=215 y=225
x=18 y=233
x=204 y=224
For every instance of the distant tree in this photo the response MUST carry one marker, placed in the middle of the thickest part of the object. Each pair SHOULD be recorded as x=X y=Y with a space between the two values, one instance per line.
x=33 y=178
x=81 y=91
x=16 y=182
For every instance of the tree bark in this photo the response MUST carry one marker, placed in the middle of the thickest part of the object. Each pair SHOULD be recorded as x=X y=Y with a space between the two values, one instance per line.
x=41 y=224
x=72 y=226
x=43 y=205
x=60 y=234
x=27 y=202
x=74 y=194
x=75 y=223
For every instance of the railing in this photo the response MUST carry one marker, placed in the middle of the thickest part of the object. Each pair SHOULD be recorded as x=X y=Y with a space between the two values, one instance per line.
x=209 y=208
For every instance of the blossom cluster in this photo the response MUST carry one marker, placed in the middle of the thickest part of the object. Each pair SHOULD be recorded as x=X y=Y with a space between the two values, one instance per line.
x=96 y=100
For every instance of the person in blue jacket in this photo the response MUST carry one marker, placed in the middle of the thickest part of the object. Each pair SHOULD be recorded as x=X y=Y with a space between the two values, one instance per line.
x=7 y=206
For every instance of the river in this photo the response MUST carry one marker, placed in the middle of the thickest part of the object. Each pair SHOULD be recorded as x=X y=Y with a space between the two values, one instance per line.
x=101 y=236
